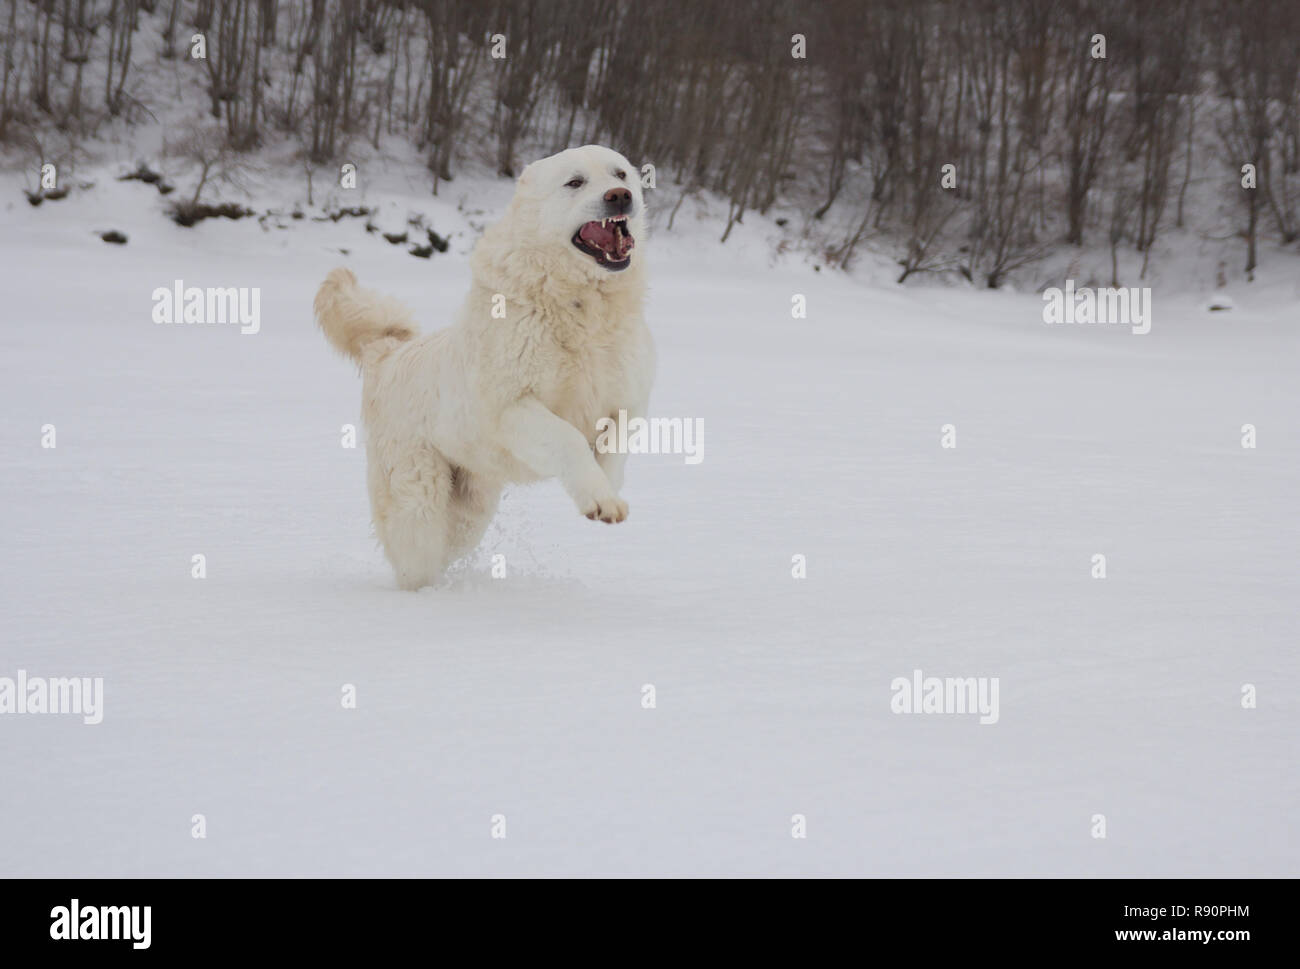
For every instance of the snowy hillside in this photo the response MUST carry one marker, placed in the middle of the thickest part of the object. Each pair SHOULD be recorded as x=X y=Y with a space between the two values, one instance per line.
x=522 y=696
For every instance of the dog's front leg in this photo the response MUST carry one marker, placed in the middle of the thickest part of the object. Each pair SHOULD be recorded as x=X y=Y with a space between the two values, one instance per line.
x=613 y=464
x=612 y=459
x=553 y=448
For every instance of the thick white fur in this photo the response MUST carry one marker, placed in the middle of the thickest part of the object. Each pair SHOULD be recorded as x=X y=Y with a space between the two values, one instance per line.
x=454 y=415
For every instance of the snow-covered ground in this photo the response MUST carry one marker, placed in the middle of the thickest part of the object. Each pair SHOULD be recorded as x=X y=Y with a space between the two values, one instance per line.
x=522 y=696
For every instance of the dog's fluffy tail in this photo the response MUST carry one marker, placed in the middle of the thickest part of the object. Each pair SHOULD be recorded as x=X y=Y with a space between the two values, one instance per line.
x=353 y=317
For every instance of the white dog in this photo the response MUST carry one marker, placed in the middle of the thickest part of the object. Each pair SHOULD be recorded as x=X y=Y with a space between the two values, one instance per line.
x=550 y=340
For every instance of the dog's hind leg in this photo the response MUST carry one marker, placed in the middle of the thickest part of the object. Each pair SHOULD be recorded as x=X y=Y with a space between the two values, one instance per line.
x=473 y=503
x=409 y=502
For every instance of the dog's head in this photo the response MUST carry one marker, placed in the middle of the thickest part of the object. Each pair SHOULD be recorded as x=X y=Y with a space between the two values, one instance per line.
x=584 y=204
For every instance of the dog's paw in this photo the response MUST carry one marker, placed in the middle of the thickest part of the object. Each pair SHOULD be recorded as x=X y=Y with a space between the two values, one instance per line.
x=609 y=510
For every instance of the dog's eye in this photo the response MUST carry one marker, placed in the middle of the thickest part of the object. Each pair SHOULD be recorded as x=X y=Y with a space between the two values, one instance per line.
x=621 y=176
x=575 y=183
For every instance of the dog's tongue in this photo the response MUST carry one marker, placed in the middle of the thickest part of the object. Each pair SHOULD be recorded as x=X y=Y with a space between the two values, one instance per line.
x=598 y=235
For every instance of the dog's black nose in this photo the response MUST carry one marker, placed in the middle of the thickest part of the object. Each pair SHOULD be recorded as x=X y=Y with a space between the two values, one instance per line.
x=619 y=199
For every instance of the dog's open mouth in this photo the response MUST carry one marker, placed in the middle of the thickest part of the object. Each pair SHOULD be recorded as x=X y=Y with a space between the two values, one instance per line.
x=608 y=242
